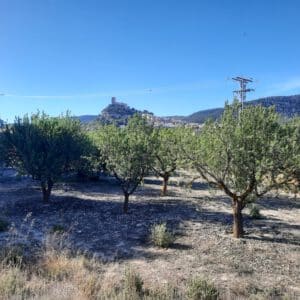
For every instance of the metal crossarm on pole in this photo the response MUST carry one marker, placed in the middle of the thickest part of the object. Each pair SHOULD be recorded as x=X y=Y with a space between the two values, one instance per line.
x=242 y=92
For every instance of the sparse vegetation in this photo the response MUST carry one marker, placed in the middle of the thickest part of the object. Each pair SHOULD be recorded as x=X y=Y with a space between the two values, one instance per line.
x=57 y=228
x=133 y=284
x=13 y=283
x=254 y=211
x=245 y=156
x=200 y=289
x=124 y=172
x=161 y=235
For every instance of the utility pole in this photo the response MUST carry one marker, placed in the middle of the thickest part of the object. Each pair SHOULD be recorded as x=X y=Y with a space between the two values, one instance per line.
x=243 y=88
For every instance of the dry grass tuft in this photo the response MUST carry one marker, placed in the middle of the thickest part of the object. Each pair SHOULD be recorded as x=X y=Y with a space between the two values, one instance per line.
x=13 y=281
x=161 y=236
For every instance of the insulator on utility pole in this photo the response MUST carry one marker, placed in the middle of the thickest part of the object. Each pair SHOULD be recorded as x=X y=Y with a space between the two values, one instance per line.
x=242 y=92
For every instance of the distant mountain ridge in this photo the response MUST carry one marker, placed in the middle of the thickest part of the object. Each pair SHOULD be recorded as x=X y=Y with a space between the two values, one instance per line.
x=87 y=118
x=118 y=112
x=287 y=106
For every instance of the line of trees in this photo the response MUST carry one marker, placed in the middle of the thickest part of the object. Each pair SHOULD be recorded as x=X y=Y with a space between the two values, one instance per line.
x=246 y=153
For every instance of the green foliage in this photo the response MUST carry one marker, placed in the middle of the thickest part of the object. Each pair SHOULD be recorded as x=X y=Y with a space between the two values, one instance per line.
x=243 y=154
x=200 y=289
x=89 y=164
x=291 y=167
x=57 y=228
x=167 y=153
x=161 y=236
x=239 y=150
x=127 y=152
x=44 y=147
x=254 y=212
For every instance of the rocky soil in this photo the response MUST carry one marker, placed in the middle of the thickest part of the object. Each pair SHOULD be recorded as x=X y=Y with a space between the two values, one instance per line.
x=90 y=216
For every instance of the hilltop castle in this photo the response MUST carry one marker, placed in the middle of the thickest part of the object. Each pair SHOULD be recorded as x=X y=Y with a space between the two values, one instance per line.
x=115 y=102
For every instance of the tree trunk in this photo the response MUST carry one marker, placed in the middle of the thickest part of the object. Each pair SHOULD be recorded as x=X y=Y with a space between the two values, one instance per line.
x=238 y=229
x=125 y=205
x=164 y=186
x=46 y=190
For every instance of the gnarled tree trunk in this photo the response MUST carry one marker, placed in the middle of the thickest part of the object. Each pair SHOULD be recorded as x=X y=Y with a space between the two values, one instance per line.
x=125 y=204
x=165 y=185
x=238 y=229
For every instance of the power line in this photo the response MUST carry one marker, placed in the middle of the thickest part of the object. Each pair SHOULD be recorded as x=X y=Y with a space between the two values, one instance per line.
x=242 y=92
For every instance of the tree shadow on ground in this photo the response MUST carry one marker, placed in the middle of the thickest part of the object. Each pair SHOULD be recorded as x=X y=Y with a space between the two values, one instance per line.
x=280 y=240
x=99 y=227
x=201 y=186
x=279 y=202
x=100 y=186
x=154 y=181
x=196 y=185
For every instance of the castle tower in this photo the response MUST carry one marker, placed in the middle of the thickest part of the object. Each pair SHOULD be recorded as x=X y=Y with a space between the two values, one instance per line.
x=113 y=100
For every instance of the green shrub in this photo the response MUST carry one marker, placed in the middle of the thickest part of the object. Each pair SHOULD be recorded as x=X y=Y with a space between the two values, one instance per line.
x=199 y=289
x=161 y=236
x=255 y=212
x=57 y=228
x=4 y=225
x=44 y=147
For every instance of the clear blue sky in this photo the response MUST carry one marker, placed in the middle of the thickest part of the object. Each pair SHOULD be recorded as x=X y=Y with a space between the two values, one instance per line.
x=170 y=57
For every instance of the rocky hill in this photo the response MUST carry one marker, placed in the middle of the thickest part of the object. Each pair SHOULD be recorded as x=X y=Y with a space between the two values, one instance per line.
x=115 y=113
x=118 y=112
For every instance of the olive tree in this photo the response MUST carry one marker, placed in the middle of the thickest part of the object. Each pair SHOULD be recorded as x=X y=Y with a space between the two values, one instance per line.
x=44 y=147
x=166 y=154
x=291 y=167
x=127 y=153
x=243 y=154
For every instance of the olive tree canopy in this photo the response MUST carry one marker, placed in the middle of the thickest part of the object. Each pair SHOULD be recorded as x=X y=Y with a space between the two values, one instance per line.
x=127 y=153
x=166 y=153
x=244 y=154
x=44 y=147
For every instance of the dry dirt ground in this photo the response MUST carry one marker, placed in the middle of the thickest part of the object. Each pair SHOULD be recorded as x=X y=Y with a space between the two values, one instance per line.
x=90 y=213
